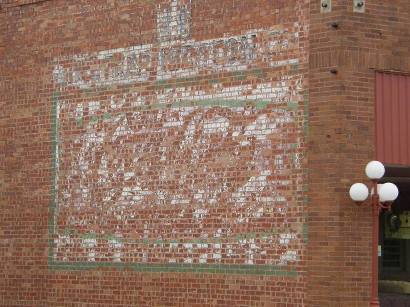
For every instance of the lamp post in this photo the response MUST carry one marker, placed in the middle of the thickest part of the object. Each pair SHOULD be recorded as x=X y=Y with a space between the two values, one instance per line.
x=382 y=196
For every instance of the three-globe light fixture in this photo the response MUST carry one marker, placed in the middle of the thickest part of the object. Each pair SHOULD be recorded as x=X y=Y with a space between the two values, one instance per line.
x=381 y=197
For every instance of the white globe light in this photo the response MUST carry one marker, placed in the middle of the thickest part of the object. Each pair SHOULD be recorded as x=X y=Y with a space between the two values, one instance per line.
x=375 y=170
x=388 y=192
x=359 y=192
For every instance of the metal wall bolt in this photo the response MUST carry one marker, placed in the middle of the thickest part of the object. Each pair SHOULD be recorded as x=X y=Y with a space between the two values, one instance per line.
x=325 y=6
x=359 y=6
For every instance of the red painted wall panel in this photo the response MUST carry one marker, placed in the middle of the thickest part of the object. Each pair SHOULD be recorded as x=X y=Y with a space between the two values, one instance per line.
x=393 y=118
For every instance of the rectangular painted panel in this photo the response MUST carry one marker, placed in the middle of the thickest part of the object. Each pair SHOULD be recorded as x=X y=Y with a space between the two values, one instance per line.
x=392 y=118
x=181 y=152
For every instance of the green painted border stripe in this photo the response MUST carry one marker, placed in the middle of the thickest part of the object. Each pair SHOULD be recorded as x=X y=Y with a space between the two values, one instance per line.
x=179 y=267
x=140 y=267
x=205 y=103
x=306 y=114
x=223 y=103
x=306 y=130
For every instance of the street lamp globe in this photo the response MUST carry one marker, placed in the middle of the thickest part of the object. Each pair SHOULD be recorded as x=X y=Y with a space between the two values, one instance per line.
x=359 y=192
x=375 y=170
x=382 y=196
x=388 y=192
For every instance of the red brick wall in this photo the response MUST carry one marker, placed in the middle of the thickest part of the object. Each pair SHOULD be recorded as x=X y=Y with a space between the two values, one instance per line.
x=153 y=153
x=341 y=140
x=153 y=168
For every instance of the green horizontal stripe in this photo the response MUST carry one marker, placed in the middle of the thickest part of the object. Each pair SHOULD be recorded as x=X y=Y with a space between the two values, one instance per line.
x=241 y=269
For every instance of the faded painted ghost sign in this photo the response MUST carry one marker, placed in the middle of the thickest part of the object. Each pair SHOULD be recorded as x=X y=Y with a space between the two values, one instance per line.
x=181 y=151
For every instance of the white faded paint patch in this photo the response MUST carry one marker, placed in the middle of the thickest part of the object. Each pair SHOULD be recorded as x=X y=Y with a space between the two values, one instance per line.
x=216 y=125
x=288 y=256
x=200 y=213
x=285 y=238
x=179 y=56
